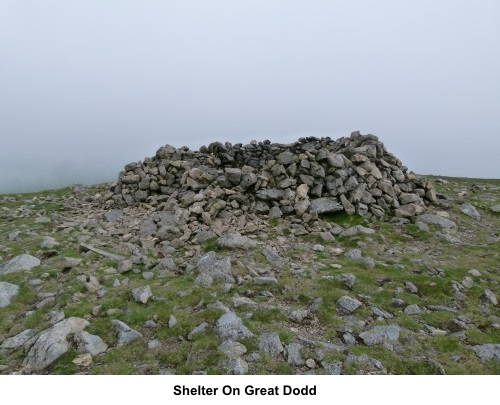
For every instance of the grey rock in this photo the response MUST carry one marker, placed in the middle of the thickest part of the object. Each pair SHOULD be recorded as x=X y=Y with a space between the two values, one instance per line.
x=91 y=344
x=490 y=296
x=49 y=243
x=124 y=266
x=231 y=349
x=373 y=366
x=236 y=366
x=348 y=305
x=355 y=230
x=166 y=264
x=233 y=175
x=19 y=263
x=470 y=211
x=142 y=294
x=412 y=310
x=270 y=344
x=52 y=344
x=325 y=205
x=7 y=292
x=265 y=280
x=243 y=301
x=125 y=333
x=487 y=352
x=293 y=356
x=380 y=335
x=14 y=342
x=297 y=315
x=495 y=209
x=347 y=278
x=113 y=215
x=431 y=219
x=172 y=321
x=332 y=368
x=230 y=327
x=270 y=194
x=204 y=280
x=273 y=258
x=318 y=248
x=235 y=240
x=349 y=339
x=412 y=288
x=153 y=343
x=216 y=266
x=199 y=329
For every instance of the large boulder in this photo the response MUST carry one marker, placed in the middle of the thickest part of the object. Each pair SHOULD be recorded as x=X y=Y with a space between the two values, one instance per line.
x=19 y=263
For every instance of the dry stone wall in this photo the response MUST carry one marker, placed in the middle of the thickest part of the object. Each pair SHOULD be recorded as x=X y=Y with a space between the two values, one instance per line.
x=312 y=176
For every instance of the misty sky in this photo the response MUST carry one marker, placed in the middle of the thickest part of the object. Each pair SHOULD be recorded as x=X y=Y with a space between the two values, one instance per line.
x=89 y=86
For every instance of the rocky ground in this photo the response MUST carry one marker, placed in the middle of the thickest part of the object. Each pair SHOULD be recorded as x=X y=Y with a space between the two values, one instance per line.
x=92 y=290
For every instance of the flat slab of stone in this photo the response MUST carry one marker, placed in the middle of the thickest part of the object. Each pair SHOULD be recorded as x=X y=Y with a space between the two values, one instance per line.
x=216 y=266
x=487 y=352
x=7 y=292
x=470 y=210
x=52 y=344
x=431 y=219
x=230 y=327
x=325 y=205
x=125 y=333
x=19 y=263
x=235 y=240
x=380 y=334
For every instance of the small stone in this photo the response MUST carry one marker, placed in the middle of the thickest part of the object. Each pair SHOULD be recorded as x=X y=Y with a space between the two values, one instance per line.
x=348 y=305
x=467 y=282
x=125 y=333
x=318 y=248
x=124 y=266
x=232 y=349
x=236 y=366
x=412 y=310
x=270 y=343
x=172 y=322
x=142 y=294
x=153 y=344
x=83 y=360
x=310 y=363
x=474 y=273
x=297 y=315
x=470 y=210
x=199 y=329
x=490 y=296
x=230 y=327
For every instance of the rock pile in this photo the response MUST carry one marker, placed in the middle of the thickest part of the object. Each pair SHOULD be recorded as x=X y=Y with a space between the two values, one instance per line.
x=312 y=176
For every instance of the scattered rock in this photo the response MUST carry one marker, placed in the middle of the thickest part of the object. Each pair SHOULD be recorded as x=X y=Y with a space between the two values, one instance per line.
x=19 y=263
x=234 y=240
x=380 y=335
x=7 y=292
x=125 y=333
x=487 y=352
x=230 y=327
x=470 y=210
x=270 y=344
x=348 y=305
x=52 y=344
x=142 y=294
x=231 y=349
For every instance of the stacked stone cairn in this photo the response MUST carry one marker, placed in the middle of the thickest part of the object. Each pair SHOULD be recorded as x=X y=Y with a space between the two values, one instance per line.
x=305 y=179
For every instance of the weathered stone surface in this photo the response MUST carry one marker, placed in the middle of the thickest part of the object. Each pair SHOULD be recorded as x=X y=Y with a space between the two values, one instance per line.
x=470 y=210
x=431 y=219
x=495 y=209
x=230 y=327
x=380 y=334
x=270 y=344
x=235 y=240
x=142 y=294
x=348 y=305
x=7 y=292
x=52 y=344
x=236 y=366
x=91 y=344
x=293 y=355
x=125 y=333
x=231 y=349
x=19 y=263
x=196 y=331
x=14 y=342
x=216 y=266
x=357 y=229
x=325 y=205
x=487 y=352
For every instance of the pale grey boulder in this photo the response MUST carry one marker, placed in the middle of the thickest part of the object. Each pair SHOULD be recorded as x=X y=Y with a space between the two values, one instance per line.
x=7 y=292
x=125 y=333
x=19 y=263
x=52 y=344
